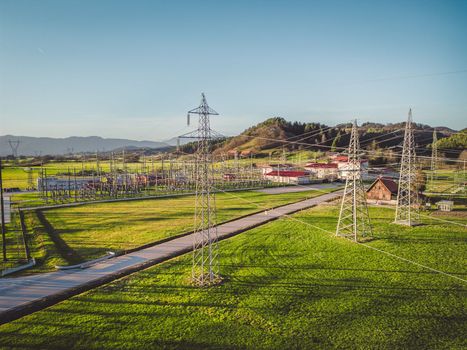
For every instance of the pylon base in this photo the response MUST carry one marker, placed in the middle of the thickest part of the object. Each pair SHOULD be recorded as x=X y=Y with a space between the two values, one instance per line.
x=206 y=281
x=407 y=222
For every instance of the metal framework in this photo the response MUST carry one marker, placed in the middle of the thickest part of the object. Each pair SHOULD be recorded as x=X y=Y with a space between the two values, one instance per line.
x=354 y=220
x=407 y=194
x=14 y=145
x=205 y=269
x=434 y=156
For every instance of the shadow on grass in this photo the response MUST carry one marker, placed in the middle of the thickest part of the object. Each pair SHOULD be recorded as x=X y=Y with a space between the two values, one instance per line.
x=65 y=251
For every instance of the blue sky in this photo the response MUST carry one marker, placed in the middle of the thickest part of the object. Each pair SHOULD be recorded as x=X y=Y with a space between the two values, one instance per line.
x=133 y=68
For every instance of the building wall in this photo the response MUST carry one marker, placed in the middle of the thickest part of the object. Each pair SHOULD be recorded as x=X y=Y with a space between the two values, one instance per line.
x=379 y=192
x=302 y=180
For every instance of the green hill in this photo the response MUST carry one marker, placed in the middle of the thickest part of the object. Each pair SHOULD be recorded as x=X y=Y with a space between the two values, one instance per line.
x=276 y=134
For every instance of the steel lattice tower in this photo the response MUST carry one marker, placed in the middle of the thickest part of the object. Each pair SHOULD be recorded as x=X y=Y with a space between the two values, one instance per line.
x=434 y=155
x=407 y=196
x=205 y=270
x=354 y=220
x=14 y=145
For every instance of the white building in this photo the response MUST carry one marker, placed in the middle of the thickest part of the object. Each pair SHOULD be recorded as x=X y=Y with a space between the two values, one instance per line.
x=324 y=171
x=289 y=177
x=345 y=169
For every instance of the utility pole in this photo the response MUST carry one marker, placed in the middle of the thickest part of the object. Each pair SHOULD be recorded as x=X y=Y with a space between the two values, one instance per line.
x=2 y=205
x=354 y=220
x=407 y=194
x=205 y=269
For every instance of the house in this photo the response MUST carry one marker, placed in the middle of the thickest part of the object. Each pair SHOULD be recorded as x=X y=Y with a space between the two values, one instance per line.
x=445 y=205
x=383 y=190
x=325 y=171
x=345 y=169
x=288 y=176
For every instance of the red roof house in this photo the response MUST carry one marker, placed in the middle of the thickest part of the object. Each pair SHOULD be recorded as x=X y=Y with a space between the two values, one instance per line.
x=383 y=188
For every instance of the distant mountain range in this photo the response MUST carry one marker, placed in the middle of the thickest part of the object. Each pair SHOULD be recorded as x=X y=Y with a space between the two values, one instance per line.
x=274 y=134
x=30 y=146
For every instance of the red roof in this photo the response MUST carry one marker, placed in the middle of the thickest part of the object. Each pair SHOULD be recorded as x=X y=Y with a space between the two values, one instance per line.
x=321 y=165
x=287 y=173
x=341 y=158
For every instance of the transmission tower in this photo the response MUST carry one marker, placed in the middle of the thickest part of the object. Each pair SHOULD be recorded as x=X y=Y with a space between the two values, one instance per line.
x=434 y=155
x=407 y=194
x=14 y=145
x=205 y=270
x=354 y=220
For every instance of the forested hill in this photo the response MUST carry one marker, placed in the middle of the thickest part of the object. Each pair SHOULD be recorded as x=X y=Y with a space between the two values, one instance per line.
x=269 y=136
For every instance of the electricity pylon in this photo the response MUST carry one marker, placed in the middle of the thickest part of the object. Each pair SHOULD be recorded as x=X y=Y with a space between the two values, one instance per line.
x=354 y=220
x=205 y=269
x=14 y=145
x=434 y=156
x=407 y=194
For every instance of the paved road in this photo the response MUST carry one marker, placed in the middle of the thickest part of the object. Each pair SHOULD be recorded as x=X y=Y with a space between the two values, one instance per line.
x=299 y=188
x=22 y=293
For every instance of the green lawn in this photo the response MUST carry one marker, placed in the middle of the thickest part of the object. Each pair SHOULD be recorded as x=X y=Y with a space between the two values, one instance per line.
x=72 y=235
x=287 y=286
x=14 y=240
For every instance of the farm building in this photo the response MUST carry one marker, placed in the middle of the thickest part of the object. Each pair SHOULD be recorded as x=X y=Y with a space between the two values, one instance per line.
x=325 y=171
x=445 y=205
x=382 y=190
x=289 y=177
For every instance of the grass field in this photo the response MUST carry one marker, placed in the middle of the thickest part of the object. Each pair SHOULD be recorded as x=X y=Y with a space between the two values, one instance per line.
x=288 y=285
x=17 y=176
x=73 y=235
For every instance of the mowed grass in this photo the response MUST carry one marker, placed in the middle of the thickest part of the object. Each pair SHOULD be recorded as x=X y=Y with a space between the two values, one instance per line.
x=289 y=284
x=85 y=232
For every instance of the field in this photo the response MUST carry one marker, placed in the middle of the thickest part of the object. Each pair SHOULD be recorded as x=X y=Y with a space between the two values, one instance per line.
x=288 y=284
x=447 y=181
x=17 y=176
x=72 y=235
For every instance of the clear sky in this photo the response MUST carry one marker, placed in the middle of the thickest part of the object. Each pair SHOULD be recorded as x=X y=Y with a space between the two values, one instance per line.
x=133 y=68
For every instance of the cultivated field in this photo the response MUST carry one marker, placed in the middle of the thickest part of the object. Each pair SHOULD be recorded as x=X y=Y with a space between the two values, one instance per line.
x=288 y=284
